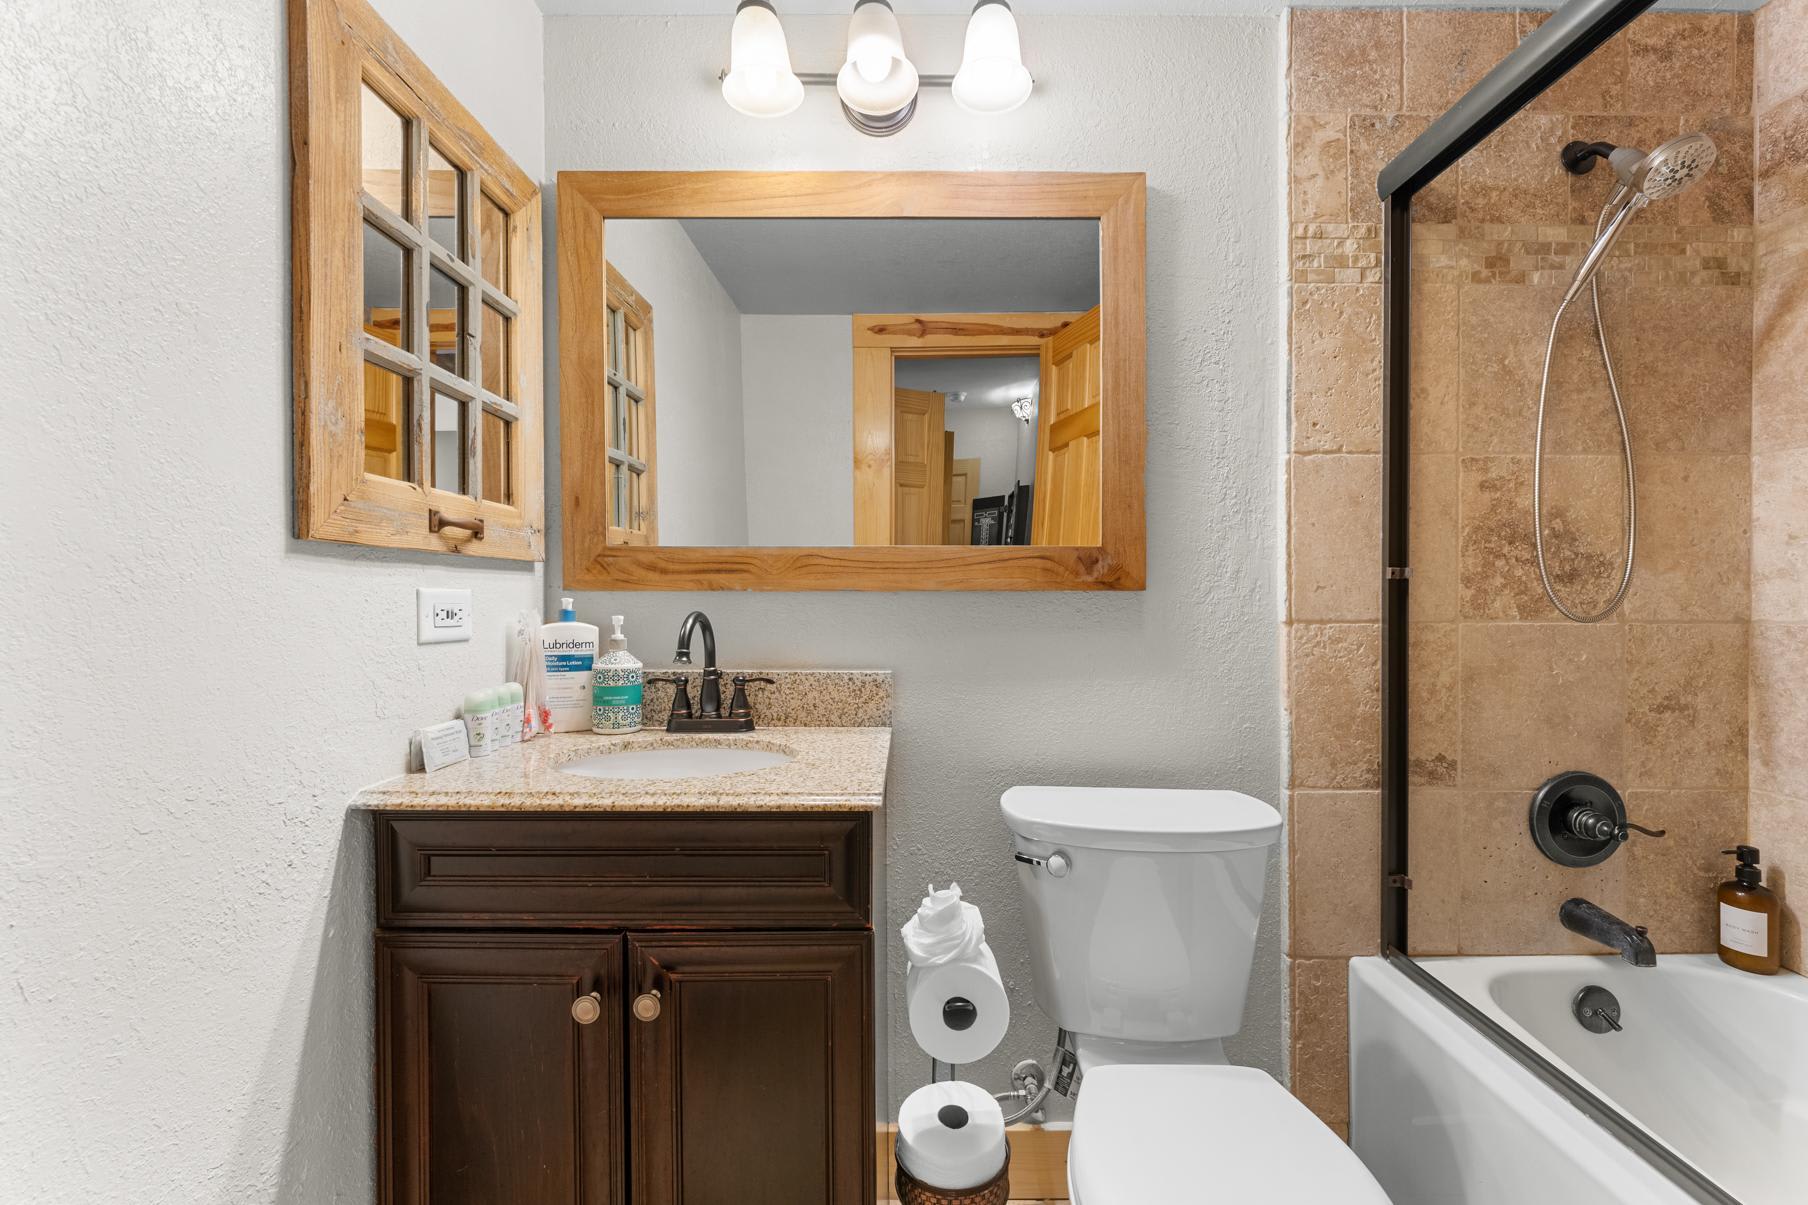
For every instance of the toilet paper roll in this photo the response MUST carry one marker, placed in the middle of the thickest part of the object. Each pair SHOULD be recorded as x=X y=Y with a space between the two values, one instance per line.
x=958 y=1010
x=951 y=1136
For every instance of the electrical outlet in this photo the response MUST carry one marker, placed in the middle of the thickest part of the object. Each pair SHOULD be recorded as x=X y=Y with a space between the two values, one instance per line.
x=442 y=616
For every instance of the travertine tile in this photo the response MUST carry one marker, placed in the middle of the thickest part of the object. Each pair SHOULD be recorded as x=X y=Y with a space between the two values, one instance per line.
x=1335 y=541
x=1432 y=536
x=1779 y=333
x=1433 y=736
x=1589 y=192
x=1511 y=891
x=1782 y=170
x=1779 y=709
x=1541 y=698
x=1319 y=164
x=1779 y=828
x=1375 y=138
x=1436 y=414
x=1671 y=880
x=1596 y=85
x=1694 y=538
x=1337 y=368
x=1448 y=52
x=1779 y=538
x=1515 y=175
x=1745 y=37
x=1321 y=1037
x=1724 y=196
x=1334 y=854
x=1685 y=705
x=1334 y=685
x=1684 y=355
x=1781 y=49
x=1503 y=333
x=1344 y=59
x=1584 y=539
x=1435 y=856
x=1681 y=62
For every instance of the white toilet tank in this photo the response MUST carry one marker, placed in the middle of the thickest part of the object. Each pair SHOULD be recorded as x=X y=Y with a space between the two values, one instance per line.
x=1141 y=905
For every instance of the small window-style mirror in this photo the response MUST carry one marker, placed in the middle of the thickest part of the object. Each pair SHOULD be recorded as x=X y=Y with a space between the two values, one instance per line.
x=765 y=386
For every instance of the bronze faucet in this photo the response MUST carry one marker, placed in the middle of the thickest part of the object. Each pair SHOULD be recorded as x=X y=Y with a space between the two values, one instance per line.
x=708 y=716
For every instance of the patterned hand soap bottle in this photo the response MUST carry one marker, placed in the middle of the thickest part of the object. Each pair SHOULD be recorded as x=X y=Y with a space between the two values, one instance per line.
x=615 y=687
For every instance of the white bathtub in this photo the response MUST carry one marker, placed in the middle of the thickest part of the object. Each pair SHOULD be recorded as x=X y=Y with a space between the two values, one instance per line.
x=1712 y=1062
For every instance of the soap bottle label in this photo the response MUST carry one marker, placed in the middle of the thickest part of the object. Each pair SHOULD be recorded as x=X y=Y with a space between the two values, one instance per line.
x=1745 y=932
x=615 y=699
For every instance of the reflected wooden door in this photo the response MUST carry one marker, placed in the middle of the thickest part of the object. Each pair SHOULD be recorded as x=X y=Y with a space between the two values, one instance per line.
x=963 y=484
x=1066 y=508
x=919 y=466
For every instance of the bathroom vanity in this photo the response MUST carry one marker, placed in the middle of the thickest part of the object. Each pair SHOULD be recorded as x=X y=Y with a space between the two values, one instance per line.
x=603 y=990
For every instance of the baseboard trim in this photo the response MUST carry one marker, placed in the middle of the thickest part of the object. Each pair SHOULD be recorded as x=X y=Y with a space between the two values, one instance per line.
x=1038 y=1163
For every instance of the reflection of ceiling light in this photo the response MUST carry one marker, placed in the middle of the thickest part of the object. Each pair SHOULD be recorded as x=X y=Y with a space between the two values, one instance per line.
x=1023 y=407
x=760 y=82
x=992 y=78
x=877 y=84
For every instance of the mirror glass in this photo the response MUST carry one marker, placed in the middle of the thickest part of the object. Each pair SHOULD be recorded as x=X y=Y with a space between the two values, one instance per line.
x=829 y=382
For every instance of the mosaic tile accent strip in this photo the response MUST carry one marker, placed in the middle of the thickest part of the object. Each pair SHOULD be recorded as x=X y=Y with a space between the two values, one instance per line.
x=1492 y=253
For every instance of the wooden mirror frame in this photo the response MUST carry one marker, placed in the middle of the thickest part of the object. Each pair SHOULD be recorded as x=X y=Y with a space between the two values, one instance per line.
x=586 y=200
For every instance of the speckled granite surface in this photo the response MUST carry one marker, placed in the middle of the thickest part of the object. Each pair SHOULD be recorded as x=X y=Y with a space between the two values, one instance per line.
x=838 y=769
x=799 y=698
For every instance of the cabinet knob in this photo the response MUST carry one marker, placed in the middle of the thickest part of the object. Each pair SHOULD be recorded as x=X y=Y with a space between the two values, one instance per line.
x=646 y=1006
x=586 y=1009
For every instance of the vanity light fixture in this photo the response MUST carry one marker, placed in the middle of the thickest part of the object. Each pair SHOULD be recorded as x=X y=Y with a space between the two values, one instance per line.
x=760 y=82
x=1023 y=407
x=992 y=77
x=877 y=84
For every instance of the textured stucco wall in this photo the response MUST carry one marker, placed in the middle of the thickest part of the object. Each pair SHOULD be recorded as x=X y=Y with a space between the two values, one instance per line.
x=1178 y=685
x=192 y=694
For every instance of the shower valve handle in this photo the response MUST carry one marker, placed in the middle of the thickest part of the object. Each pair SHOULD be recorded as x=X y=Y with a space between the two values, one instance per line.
x=1591 y=825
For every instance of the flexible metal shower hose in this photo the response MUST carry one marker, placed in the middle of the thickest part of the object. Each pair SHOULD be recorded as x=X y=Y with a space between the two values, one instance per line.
x=1613 y=385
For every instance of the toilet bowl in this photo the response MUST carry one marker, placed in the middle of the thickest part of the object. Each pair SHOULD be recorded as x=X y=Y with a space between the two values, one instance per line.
x=1141 y=907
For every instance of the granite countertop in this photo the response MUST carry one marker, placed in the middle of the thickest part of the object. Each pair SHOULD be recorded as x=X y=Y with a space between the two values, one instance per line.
x=839 y=769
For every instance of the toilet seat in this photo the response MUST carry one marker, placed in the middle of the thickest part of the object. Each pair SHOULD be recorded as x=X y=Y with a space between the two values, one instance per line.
x=1179 y=1135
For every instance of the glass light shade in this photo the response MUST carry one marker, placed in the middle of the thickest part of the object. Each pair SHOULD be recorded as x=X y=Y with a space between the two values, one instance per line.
x=877 y=80
x=992 y=77
x=760 y=82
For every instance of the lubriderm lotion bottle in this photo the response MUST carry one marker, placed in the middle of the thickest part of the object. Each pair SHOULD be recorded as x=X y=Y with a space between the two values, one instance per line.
x=570 y=650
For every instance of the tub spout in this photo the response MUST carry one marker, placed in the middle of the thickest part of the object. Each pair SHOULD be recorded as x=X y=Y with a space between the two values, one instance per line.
x=1598 y=924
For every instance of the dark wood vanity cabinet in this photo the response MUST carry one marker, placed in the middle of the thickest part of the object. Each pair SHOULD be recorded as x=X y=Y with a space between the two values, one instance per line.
x=596 y=1054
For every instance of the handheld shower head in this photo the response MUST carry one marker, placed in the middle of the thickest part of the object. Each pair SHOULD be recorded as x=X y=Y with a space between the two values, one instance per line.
x=1644 y=178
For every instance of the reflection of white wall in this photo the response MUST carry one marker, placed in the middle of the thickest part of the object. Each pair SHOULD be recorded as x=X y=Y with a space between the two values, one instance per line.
x=696 y=380
x=797 y=388
x=994 y=436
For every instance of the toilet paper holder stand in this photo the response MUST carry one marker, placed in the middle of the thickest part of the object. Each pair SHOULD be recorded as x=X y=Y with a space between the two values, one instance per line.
x=1030 y=1081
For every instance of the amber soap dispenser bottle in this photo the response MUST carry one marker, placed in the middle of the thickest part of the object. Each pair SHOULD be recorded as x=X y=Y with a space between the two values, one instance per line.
x=1749 y=915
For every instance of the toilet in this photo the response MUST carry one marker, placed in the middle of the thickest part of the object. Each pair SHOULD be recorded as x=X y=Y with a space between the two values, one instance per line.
x=1142 y=906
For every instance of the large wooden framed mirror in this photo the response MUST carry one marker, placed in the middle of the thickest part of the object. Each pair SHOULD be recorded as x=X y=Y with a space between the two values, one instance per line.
x=851 y=381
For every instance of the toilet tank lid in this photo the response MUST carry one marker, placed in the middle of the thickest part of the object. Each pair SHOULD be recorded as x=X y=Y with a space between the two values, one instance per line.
x=1143 y=819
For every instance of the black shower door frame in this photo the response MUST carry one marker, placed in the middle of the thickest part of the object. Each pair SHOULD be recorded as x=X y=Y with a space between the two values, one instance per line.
x=1546 y=55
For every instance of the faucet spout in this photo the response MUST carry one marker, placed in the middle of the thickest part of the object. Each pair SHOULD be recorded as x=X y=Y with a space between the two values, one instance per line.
x=709 y=702
x=1596 y=923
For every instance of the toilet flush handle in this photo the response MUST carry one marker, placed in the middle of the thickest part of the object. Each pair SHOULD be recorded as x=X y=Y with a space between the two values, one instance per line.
x=1057 y=864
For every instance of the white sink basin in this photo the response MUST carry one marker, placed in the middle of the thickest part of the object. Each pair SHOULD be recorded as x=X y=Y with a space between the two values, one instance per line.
x=705 y=761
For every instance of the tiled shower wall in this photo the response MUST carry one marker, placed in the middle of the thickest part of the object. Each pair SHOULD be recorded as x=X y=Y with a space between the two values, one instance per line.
x=1504 y=691
x=1779 y=634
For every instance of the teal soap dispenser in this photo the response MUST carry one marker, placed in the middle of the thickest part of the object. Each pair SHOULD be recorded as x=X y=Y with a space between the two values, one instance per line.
x=616 y=687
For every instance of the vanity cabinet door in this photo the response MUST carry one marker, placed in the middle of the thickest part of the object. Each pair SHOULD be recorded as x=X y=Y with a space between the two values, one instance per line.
x=751 y=1070
x=500 y=1075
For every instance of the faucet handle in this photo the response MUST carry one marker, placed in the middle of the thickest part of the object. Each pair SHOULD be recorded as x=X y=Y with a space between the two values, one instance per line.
x=738 y=707
x=681 y=692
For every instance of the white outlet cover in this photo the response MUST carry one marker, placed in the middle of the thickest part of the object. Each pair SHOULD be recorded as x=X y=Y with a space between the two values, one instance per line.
x=442 y=616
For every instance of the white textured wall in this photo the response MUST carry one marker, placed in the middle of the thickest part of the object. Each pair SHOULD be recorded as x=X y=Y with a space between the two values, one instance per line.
x=997 y=439
x=696 y=383
x=797 y=380
x=192 y=695
x=1179 y=685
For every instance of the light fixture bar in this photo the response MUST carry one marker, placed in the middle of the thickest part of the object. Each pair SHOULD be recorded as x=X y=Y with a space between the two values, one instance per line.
x=826 y=79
